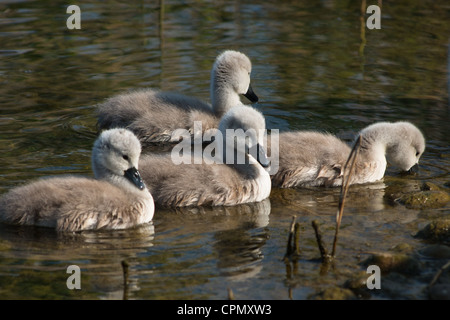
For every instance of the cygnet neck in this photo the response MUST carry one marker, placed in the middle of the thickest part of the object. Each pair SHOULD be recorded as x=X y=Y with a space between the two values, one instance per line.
x=377 y=138
x=372 y=159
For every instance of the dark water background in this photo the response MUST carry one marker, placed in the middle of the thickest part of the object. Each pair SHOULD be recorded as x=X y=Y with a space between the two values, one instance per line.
x=315 y=66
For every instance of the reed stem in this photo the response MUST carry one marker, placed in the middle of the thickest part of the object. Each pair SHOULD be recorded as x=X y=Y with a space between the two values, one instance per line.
x=344 y=189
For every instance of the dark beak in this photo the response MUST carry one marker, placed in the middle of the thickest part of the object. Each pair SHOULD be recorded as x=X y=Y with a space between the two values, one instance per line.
x=262 y=157
x=250 y=95
x=414 y=169
x=133 y=175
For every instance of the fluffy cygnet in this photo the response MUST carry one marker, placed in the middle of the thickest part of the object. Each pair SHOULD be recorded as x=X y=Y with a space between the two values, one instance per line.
x=158 y=116
x=237 y=173
x=317 y=159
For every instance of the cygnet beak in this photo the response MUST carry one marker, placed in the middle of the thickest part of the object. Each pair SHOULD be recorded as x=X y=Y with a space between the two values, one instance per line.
x=133 y=175
x=250 y=95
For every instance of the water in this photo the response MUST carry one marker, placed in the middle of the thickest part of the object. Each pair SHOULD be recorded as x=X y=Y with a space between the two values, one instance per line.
x=315 y=66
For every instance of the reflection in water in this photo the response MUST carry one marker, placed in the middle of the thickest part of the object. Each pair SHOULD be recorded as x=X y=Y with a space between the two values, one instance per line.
x=239 y=249
x=247 y=215
x=238 y=233
x=320 y=200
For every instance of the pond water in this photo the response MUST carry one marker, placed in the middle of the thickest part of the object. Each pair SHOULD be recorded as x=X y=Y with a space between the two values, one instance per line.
x=315 y=66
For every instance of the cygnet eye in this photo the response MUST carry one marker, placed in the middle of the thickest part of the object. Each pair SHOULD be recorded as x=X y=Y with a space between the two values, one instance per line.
x=125 y=157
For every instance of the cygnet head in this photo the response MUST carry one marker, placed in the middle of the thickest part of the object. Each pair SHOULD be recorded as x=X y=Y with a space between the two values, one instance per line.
x=230 y=76
x=244 y=127
x=115 y=155
x=404 y=142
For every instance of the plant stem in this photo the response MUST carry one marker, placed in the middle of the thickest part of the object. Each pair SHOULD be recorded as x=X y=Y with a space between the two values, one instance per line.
x=323 y=251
